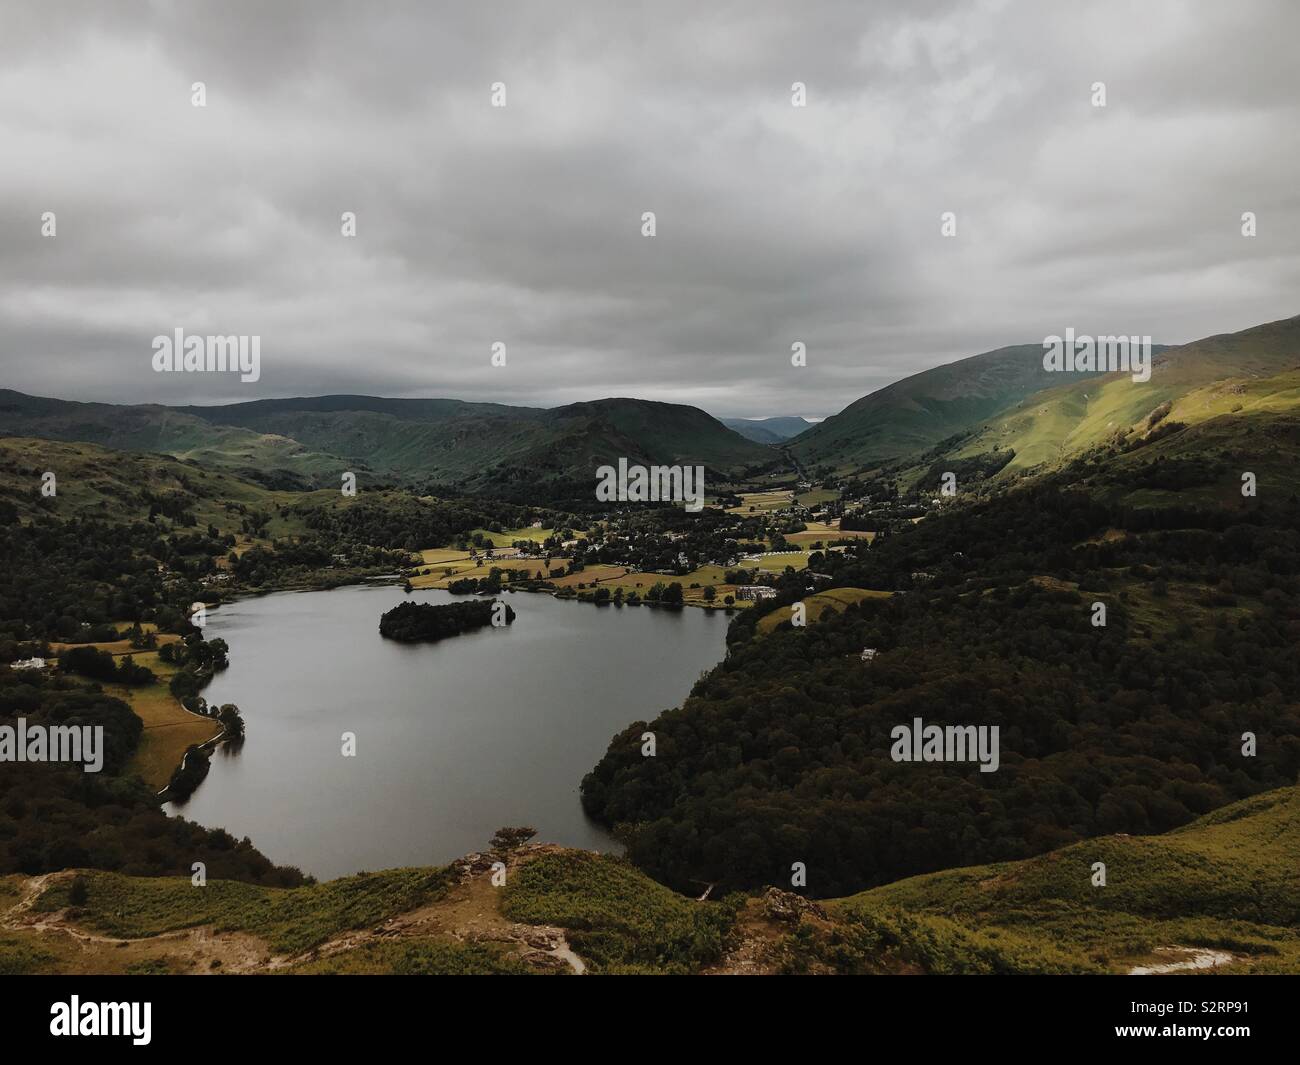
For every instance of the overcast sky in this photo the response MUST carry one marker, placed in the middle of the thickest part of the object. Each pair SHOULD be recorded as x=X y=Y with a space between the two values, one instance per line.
x=522 y=224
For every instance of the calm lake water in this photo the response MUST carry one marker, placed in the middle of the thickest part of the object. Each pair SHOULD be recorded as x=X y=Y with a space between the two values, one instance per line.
x=454 y=739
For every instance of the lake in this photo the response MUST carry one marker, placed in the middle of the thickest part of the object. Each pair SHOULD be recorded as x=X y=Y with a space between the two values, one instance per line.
x=454 y=739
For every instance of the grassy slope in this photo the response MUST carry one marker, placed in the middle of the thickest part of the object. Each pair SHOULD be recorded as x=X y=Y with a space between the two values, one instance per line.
x=94 y=481
x=473 y=445
x=1252 y=372
x=163 y=430
x=1229 y=881
x=618 y=918
x=835 y=599
x=1004 y=399
x=169 y=728
x=290 y=920
x=916 y=413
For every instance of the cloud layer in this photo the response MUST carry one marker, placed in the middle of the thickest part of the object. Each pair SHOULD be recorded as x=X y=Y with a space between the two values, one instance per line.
x=522 y=224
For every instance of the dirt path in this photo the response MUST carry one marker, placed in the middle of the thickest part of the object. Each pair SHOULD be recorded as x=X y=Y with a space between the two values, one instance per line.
x=195 y=950
x=1190 y=958
x=469 y=913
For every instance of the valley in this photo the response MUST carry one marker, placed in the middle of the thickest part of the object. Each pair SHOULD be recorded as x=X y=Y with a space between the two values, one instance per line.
x=826 y=607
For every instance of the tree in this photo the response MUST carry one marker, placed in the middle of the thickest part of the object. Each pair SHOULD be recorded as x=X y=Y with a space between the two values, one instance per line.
x=231 y=721
x=710 y=593
x=508 y=839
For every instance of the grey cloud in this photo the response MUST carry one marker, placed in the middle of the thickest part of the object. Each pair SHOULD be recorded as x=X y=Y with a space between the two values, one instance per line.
x=775 y=224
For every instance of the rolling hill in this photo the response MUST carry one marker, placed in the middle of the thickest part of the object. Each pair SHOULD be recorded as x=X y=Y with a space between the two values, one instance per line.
x=518 y=452
x=274 y=460
x=123 y=486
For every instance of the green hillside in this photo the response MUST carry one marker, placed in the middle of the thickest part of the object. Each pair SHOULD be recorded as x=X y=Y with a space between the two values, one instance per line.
x=123 y=486
x=480 y=445
x=1250 y=374
x=1229 y=881
x=1005 y=400
x=518 y=452
x=272 y=459
x=918 y=412
x=1226 y=887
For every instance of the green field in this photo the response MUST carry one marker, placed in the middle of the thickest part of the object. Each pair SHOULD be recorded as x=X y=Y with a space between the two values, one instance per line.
x=613 y=577
x=776 y=563
x=509 y=536
x=763 y=502
x=835 y=599
x=816 y=496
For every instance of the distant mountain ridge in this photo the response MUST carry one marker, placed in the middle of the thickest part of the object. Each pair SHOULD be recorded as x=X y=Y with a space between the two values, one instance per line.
x=768 y=430
x=489 y=447
x=1000 y=401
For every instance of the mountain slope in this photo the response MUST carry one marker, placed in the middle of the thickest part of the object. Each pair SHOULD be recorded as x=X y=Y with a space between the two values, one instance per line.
x=916 y=413
x=516 y=451
x=490 y=446
x=1251 y=372
x=272 y=459
x=1004 y=400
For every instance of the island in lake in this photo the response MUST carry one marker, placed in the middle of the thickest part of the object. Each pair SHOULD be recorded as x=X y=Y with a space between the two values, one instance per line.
x=413 y=622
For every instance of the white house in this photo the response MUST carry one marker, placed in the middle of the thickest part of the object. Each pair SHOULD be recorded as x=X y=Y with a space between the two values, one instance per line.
x=28 y=663
x=868 y=653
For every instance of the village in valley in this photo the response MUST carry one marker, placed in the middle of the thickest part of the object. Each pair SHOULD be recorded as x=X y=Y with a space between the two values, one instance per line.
x=741 y=548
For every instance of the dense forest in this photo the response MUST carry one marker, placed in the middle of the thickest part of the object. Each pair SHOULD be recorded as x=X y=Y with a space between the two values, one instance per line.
x=399 y=521
x=412 y=622
x=71 y=580
x=55 y=816
x=375 y=532
x=60 y=576
x=782 y=753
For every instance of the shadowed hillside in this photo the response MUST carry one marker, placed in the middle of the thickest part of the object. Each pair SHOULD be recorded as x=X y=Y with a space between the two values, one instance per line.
x=514 y=452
